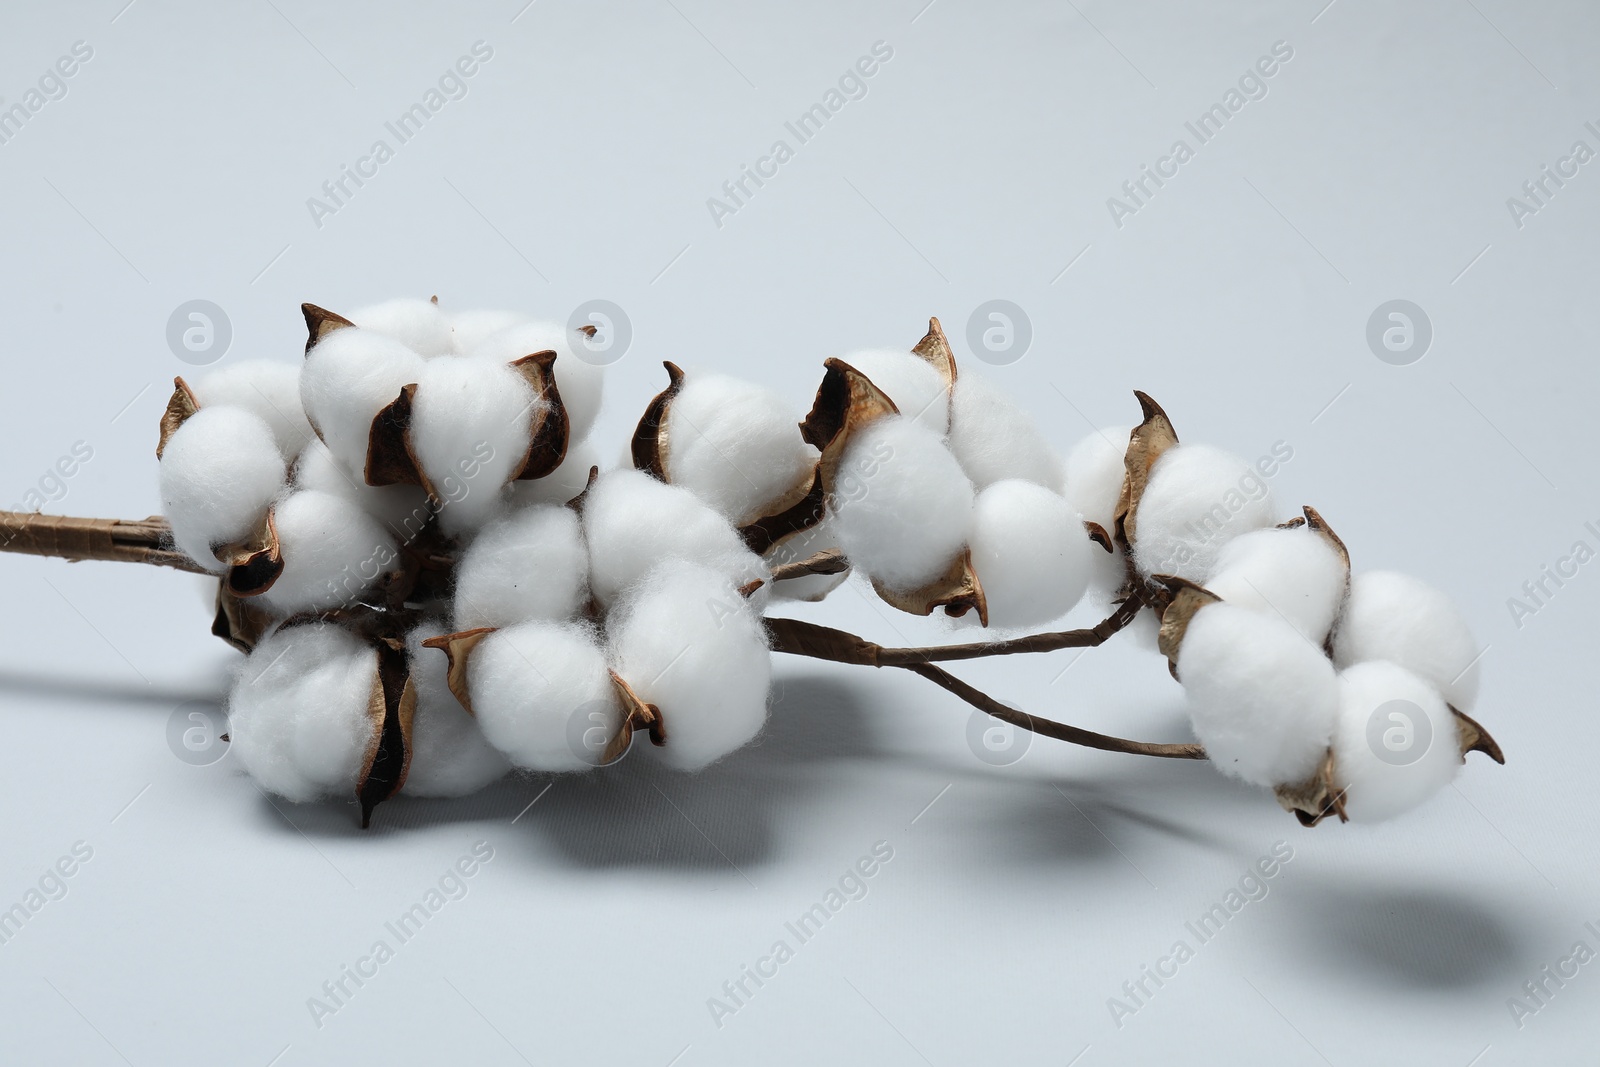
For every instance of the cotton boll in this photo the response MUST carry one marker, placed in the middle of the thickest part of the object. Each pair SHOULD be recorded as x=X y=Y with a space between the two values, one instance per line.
x=1198 y=498
x=564 y=483
x=1294 y=573
x=530 y=564
x=631 y=521
x=916 y=388
x=902 y=506
x=993 y=439
x=800 y=546
x=219 y=473
x=540 y=690
x=417 y=324
x=263 y=388
x=332 y=552
x=1404 y=619
x=404 y=509
x=1396 y=743
x=471 y=423
x=348 y=377
x=449 y=754
x=736 y=445
x=298 y=713
x=1095 y=470
x=687 y=642
x=1263 y=699
x=579 y=381
x=1030 y=552
x=469 y=329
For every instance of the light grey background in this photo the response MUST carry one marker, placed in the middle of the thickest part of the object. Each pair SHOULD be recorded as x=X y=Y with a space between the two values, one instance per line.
x=978 y=166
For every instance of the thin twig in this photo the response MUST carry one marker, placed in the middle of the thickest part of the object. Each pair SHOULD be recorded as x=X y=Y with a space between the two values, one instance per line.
x=116 y=540
x=831 y=561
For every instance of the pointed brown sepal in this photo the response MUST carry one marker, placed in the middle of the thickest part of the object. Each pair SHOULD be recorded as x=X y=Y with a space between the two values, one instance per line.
x=238 y=622
x=1472 y=737
x=1148 y=442
x=1317 y=524
x=180 y=406
x=457 y=648
x=846 y=402
x=588 y=329
x=957 y=591
x=1187 y=598
x=549 y=429
x=390 y=457
x=577 y=502
x=254 y=563
x=804 y=513
x=391 y=708
x=650 y=436
x=636 y=715
x=935 y=349
x=1316 y=798
x=320 y=322
x=1098 y=535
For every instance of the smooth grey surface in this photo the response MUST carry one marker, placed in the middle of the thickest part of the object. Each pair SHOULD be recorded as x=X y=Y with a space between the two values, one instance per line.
x=977 y=167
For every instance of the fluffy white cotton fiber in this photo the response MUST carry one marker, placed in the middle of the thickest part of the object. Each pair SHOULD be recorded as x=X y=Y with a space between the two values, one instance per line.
x=910 y=381
x=543 y=695
x=298 y=712
x=449 y=755
x=332 y=552
x=417 y=324
x=1094 y=474
x=993 y=439
x=348 y=377
x=1404 y=619
x=1294 y=573
x=1198 y=498
x=804 y=545
x=529 y=564
x=265 y=389
x=1262 y=698
x=736 y=445
x=578 y=381
x=469 y=329
x=403 y=509
x=471 y=422
x=902 y=506
x=219 y=473
x=1396 y=743
x=564 y=483
x=687 y=642
x=631 y=522
x=1030 y=552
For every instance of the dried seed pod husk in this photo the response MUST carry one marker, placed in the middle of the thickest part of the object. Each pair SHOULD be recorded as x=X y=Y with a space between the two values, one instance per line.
x=180 y=406
x=1148 y=442
x=637 y=716
x=1472 y=737
x=239 y=621
x=802 y=514
x=392 y=708
x=1099 y=536
x=390 y=458
x=1187 y=598
x=254 y=563
x=650 y=436
x=458 y=648
x=847 y=402
x=320 y=322
x=577 y=502
x=935 y=349
x=1316 y=798
x=550 y=429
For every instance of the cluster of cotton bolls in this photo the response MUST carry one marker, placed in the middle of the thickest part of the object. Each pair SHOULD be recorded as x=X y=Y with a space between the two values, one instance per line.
x=1341 y=692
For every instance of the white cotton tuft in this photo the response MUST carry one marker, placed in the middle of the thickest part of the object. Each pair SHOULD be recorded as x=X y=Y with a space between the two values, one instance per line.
x=449 y=755
x=916 y=388
x=417 y=324
x=529 y=564
x=1294 y=573
x=564 y=483
x=800 y=546
x=1404 y=619
x=631 y=521
x=348 y=377
x=404 y=509
x=1262 y=699
x=579 y=382
x=687 y=642
x=266 y=389
x=1030 y=552
x=471 y=423
x=736 y=445
x=332 y=552
x=1198 y=498
x=1095 y=470
x=993 y=439
x=219 y=473
x=1396 y=743
x=543 y=695
x=298 y=714
x=902 y=506
x=469 y=329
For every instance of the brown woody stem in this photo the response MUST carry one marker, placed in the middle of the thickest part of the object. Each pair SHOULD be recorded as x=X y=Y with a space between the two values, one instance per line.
x=118 y=540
